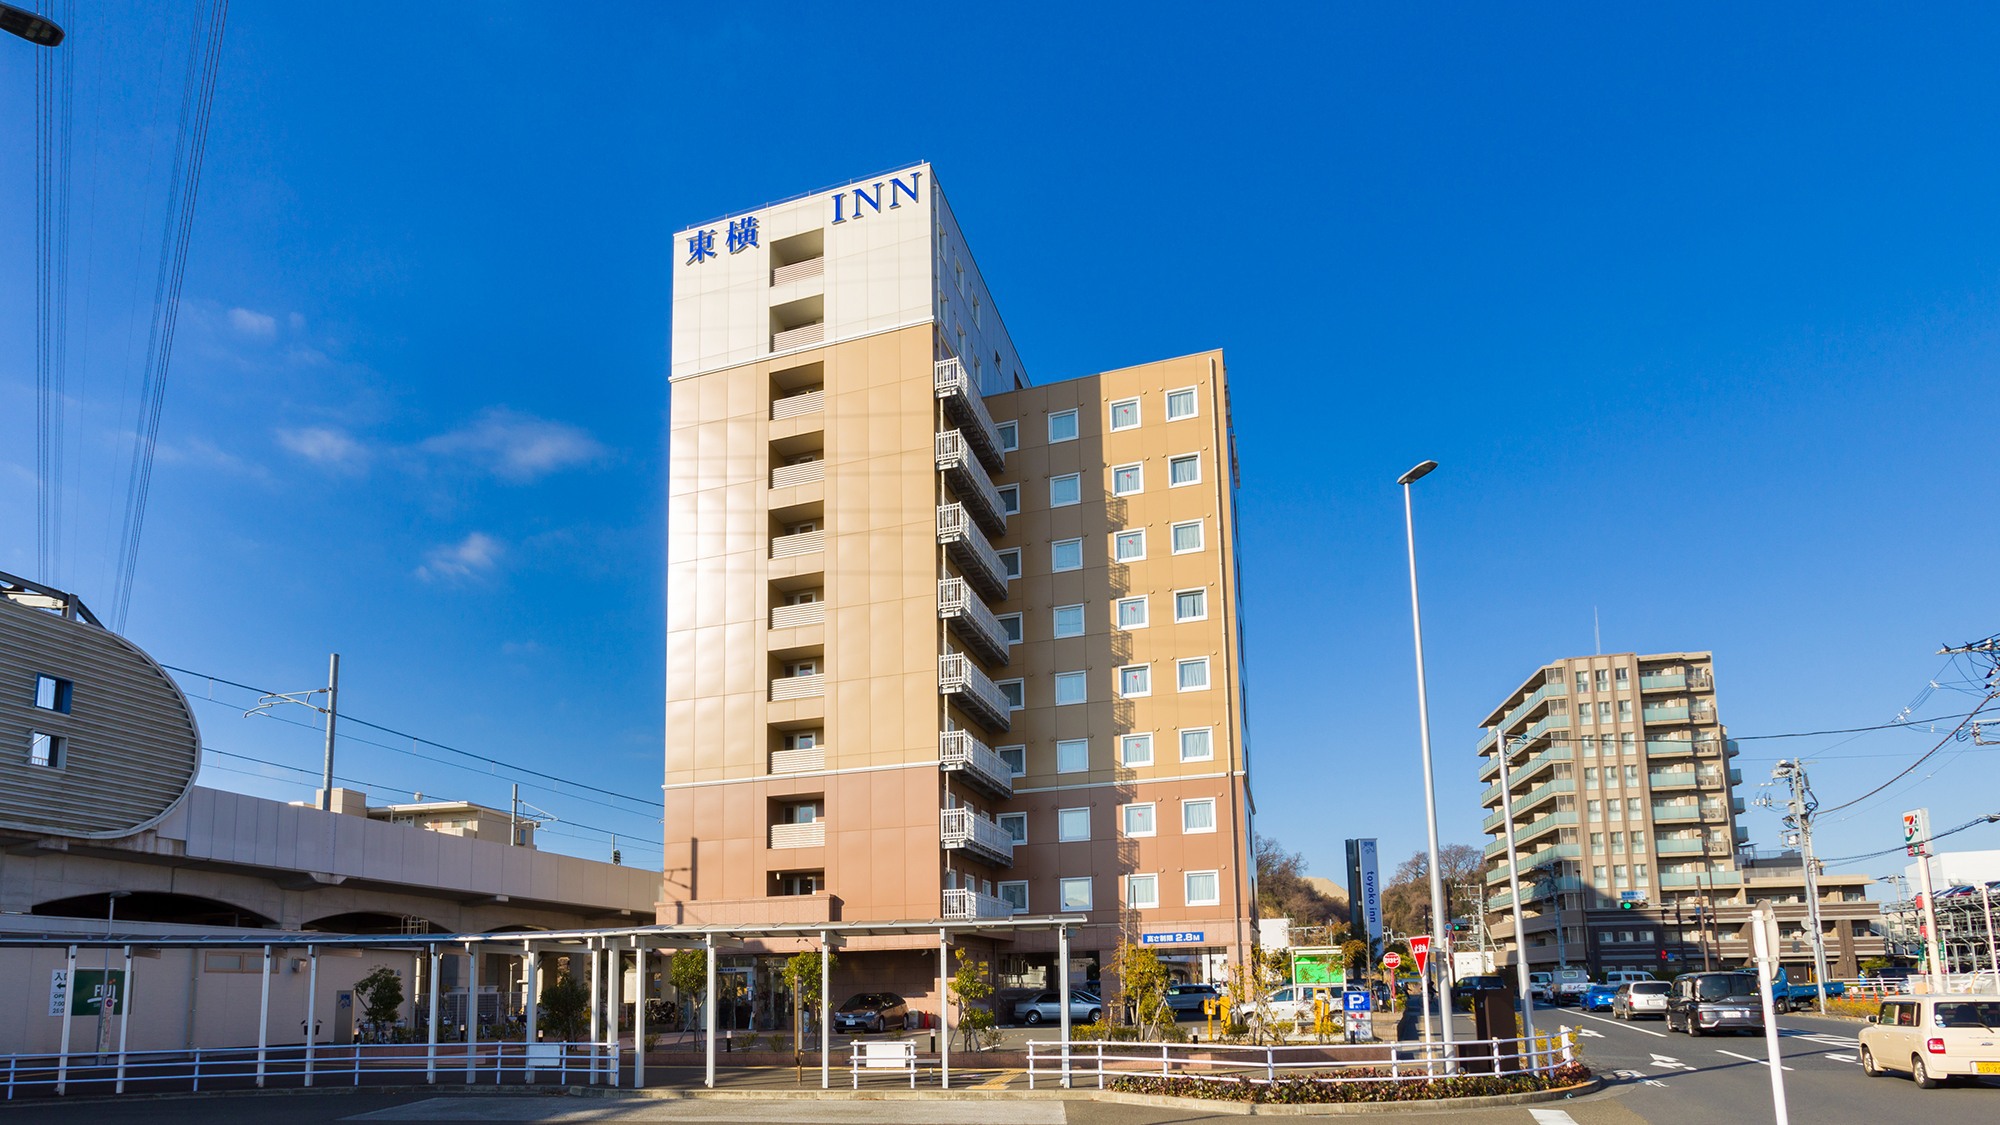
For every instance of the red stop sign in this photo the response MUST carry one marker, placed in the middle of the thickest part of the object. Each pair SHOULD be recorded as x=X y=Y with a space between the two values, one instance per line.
x=1391 y=960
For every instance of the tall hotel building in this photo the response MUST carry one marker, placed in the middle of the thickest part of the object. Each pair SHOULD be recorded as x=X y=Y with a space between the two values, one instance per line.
x=941 y=644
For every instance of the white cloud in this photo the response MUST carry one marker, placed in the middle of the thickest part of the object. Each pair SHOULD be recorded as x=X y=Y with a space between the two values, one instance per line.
x=324 y=445
x=261 y=326
x=474 y=556
x=517 y=447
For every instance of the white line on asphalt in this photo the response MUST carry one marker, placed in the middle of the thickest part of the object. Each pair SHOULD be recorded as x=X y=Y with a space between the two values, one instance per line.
x=843 y=1112
x=1745 y=1058
x=1551 y=1117
x=1640 y=1030
x=1841 y=1058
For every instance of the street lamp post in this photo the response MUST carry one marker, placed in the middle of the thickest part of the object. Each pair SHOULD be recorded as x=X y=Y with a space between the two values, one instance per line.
x=1430 y=788
x=1514 y=885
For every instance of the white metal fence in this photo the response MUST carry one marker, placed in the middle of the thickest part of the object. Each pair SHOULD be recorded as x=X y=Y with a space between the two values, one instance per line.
x=1379 y=1062
x=319 y=1064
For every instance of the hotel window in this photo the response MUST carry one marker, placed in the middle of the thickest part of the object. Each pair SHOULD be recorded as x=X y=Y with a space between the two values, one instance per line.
x=1603 y=680
x=1073 y=824
x=1631 y=775
x=1590 y=777
x=1203 y=888
x=1623 y=676
x=1010 y=562
x=1618 y=841
x=1597 y=841
x=1072 y=755
x=1010 y=436
x=1593 y=807
x=1132 y=612
x=1198 y=816
x=1015 y=894
x=1597 y=874
x=1135 y=680
x=1074 y=893
x=1180 y=404
x=45 y=750
x=1062 y=426
x=52 y=694
x=1010 y=624
x=1625 y=710
x=1197 y=744
x=1128 y=479
x=1618 y=874
x=1129 y=546
x=1010 y=499
x=1630 y=742
x=1185 y=469
x=1583 y=681
x=1125 y=414
x=1604 y=711
x=1135 y=749
x=1632 y=805
x=1014 y=692
x=1066 y=554
x=1138 y=819
x=1065 y=491
x=1638 y=841
x=1015 y=824
x=1583 y=712
x=1069 y=688
x=1191 y=605
x=1589 y=746
x=1639 y=874
x=1016 y=758
x=1069 y=621
x=1142 y=892
x=1187 y=537
x=1192 y=674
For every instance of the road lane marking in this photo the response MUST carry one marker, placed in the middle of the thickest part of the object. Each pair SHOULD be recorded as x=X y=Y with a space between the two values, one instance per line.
x=1655 y=1082
x=1551 y=1117
x=1841 y=1058
x=1745 y=1058
x=1670 y=1062
x=1640 y=1030
x=1823 y=1040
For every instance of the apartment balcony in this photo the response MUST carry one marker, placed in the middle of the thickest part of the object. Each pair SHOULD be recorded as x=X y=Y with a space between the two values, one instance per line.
x=804 y=336
x=811 y=835
x=962 y=904
x=1671 y=779
x=800 y=543
x=1544 y=825
x=1534 y=797
x=1553 y=854
x=968 y=547
x=1675 y=846
x=1736 y=805
x=1664 y=681
x=1735 y=777
x=1538 y=698
x=1666 y=713
x=971 y=622
x=1669 y=747
x=798 y=761
x=793 y=616
x=1742 y=835
x=798 y=271
x=961 y=829
x=786 y=688
x=1525 y=772
x=973 y=760
x=967 y=411
x=975 y=693
x=1668 y=814
x=969 y=482
x=791 y=476
x=798 y=405
x=1701 y=878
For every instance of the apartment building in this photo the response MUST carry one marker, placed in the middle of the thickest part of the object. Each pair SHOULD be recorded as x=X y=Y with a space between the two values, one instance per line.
x=942 y=643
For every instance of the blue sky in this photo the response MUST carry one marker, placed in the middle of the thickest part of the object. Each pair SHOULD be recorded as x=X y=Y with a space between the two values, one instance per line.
x=1696 y=306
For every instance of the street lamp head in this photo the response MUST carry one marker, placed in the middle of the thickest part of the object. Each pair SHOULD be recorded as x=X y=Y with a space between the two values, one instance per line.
x=1417 y=473
x=27 y=25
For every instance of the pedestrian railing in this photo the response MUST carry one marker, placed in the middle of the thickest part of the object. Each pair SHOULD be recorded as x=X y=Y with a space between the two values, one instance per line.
x=318 y=1064
x=1362 y=1062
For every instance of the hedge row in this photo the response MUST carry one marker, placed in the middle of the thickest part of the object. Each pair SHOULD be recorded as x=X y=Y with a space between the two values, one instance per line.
x=1314 y=1091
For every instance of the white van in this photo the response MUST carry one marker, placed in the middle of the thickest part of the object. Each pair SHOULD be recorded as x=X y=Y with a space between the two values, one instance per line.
x=1626 y=976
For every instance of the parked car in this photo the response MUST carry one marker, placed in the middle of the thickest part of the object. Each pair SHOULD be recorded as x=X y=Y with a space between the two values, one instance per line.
x=1934 y=1038
x=1598 y=997
x=1084 y=1007
x=1294 y=1002
x=871 y=1011
x=1462 y=992
x=1570 y=985
x=1186 y=1000
x=1640 y=998
x=1626 y=976
x=1708 y=1003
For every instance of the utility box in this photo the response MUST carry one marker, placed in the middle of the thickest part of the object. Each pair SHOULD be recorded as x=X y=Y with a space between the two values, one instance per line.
x=1493 y=1018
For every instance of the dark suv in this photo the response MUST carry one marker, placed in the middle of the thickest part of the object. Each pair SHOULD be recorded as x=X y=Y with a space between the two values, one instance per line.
x=1706 y=1003
x=1186 y=999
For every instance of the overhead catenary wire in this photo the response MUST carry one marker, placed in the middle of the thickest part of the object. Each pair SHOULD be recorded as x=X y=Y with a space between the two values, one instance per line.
x=1973 y=823
x=1921 y=758
x=55 y=86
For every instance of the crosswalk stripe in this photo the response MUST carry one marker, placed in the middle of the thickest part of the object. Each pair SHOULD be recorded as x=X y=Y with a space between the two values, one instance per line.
x=1551 y=1117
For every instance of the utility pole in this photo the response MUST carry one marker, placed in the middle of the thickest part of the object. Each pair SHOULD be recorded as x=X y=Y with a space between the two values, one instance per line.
x=304 y=699
x=1799 y=809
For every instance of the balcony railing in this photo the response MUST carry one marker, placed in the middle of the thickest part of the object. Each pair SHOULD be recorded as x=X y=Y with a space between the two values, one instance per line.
x=961 y=903
x=1533 y=797
x=790 y=476
x=1701 y=878
x=811 y=835
x=1554 y=853
x=1663 y=681
x=970 y=621
x=798 y=761
x=973 y=691
x=798 y=405
x=1672 y=779
x=962 y=829
x=1669 y=747
x=968 y=547
x=798 y=271
x=798 y=543
x=1666 y=713
x=1676 y=812
x=793 y=616
x=969 y=481
x=1539 y=696
x=1523 y=773
x=797 y=687
x=804 y=336
x=1668 y=845
x=960 y=753
x=968 y=411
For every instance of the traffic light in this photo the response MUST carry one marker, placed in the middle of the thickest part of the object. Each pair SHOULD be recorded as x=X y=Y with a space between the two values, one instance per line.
x=1628 y=904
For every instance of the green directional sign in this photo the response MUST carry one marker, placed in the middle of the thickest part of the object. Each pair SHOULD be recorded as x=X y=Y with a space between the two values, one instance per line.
x=98 y=988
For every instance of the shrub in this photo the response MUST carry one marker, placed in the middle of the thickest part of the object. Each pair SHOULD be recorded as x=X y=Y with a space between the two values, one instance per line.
x=1321 y=1091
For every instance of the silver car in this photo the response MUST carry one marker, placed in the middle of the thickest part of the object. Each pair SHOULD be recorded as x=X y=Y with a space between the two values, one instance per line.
x=1084 y=1007
x=1640 y=998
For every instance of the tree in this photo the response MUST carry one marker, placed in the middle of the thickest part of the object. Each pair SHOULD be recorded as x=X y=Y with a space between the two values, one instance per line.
x=1142 y=979
x=381 y=996
x=968 y=987
x=564 y=1008
x=1406 y=901
x=801 y=975
x=688 y=973
x=1282 y=890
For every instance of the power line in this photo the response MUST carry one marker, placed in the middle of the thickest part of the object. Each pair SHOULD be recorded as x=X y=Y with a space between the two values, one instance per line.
x=1921 y=758
x=1973 y=823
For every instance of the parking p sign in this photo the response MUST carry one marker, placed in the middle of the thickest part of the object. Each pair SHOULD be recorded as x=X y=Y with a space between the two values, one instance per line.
x=1357 y=1001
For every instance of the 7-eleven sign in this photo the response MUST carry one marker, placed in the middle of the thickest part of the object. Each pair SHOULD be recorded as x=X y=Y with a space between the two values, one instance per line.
x=1420 y=948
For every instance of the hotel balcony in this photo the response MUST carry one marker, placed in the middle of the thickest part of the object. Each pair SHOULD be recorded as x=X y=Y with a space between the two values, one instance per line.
x=961 y=829
x=798 y=761
x=798 y=405
x=793 y=616
x=968 y=411
x=973 y=691
x=798 y=271
x=963 y=904
x=971 y=622
x=804 y=336
x=810 y=835
x=974 y=761
x=968 y=548
x=800 y=543
x=797 y=687
x=969 y=481
x=789 y=476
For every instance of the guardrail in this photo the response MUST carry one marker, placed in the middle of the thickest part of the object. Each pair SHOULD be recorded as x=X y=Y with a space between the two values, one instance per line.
x=1360 y=1062
x=305 y=1064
